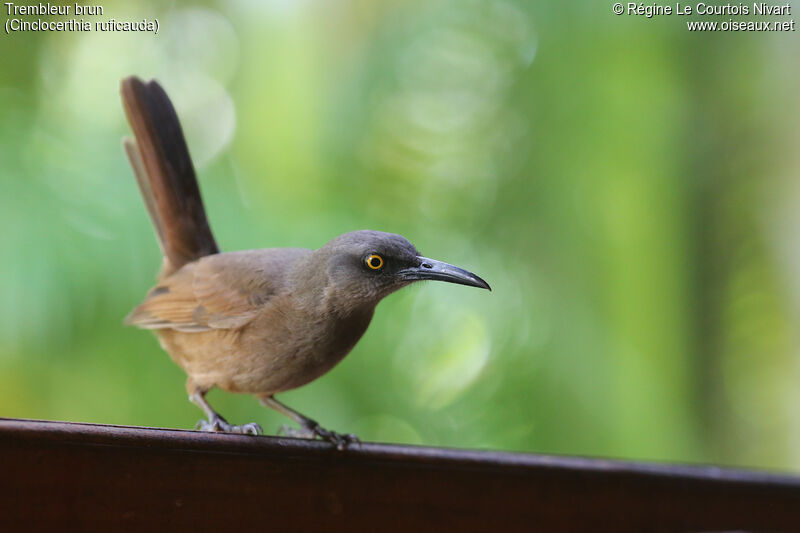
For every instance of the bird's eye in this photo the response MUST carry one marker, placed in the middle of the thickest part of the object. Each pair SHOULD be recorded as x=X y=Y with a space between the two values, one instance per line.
x=374 y=261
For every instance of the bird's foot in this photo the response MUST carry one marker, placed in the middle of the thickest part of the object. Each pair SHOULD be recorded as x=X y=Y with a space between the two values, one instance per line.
x=314 y=430
x=220 y=425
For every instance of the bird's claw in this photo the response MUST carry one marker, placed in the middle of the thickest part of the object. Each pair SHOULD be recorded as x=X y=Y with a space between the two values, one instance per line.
x=204 y=425
x=340 y=440
x=313 y=431
x=249 y=429
x=220 y=425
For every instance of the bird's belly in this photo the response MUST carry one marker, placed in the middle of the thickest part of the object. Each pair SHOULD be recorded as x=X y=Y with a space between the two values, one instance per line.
x=263 y=359
x=297 y=355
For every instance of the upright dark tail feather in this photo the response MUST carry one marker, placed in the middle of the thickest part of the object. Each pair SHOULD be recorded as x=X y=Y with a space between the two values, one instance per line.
x=164 y=171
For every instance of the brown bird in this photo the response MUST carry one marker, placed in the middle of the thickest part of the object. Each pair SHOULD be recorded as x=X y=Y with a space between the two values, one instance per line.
x=258 y=321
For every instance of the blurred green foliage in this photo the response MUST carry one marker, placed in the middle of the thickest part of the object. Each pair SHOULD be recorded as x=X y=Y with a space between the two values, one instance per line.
x=628 y=188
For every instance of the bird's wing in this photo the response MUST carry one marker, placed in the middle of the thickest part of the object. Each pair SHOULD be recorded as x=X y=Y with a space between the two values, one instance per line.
x=223 y=291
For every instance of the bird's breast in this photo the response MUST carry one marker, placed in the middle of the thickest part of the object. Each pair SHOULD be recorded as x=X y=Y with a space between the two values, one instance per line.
x=293 y=345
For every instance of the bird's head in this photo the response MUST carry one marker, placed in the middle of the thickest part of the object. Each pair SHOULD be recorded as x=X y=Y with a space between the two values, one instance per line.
x=369 y=265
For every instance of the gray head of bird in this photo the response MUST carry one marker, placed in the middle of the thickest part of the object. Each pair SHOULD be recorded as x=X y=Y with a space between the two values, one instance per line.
x=368 y=265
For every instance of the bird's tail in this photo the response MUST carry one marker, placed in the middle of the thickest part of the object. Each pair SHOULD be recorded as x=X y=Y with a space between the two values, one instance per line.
x=164 y=171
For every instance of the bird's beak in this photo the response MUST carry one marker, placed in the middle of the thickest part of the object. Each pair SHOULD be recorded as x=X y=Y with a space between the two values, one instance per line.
x=438 y=270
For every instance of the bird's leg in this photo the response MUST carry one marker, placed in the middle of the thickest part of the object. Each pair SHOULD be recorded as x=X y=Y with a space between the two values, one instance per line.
x=309 y=428
x=215 y=420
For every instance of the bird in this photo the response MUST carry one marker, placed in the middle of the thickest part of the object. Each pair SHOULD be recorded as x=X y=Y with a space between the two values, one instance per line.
x=262 y=321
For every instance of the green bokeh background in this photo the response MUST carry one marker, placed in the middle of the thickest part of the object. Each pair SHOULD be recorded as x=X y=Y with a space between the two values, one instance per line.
x=630 y=190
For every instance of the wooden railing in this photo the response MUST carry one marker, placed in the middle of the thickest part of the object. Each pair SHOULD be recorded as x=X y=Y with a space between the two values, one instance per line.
x=66 y=476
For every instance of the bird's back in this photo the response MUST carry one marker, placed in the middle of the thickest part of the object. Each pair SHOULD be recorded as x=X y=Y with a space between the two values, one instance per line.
x=220 y=291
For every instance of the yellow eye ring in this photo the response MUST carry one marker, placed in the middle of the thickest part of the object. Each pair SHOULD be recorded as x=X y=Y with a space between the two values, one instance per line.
x=374 y=261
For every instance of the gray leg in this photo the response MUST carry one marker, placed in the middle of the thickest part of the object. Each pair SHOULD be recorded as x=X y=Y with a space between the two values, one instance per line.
x=215 y=421
x=309 y=428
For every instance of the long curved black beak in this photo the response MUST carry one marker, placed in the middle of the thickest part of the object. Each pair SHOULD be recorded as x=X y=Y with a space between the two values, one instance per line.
x=440 y=271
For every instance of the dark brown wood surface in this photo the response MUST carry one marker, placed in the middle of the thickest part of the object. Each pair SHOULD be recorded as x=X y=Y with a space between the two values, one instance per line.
x=67 y=476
